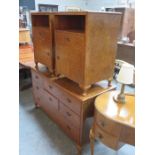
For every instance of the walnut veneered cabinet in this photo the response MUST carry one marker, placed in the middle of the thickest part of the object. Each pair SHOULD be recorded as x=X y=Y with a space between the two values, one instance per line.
x=85 y=45
x=43 y=42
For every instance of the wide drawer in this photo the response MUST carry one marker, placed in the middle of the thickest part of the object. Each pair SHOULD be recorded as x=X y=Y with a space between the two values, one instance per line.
x=51 y=88
x=69 y=129
x=69 y=115
x=37 y=94
x=50 y=103
x=71 y=102
x=128 y=135
x=107 y=124
x=36 y=78
x=106 y=138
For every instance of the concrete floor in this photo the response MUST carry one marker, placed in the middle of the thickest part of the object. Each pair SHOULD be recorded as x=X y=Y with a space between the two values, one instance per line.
x=41 y=136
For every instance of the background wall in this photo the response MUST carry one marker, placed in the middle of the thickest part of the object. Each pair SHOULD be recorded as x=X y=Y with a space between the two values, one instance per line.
x=94 y=5
x=83 y=4
x=30 y=4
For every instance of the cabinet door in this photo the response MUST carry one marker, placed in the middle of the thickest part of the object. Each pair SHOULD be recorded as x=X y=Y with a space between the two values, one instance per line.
x=70 y=54
x=42 y=45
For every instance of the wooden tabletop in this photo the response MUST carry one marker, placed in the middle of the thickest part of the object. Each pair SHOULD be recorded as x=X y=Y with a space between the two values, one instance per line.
x=121 y=113
x=26 y=56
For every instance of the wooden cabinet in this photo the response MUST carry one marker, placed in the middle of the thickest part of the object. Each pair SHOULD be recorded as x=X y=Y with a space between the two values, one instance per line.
x=61 y=99
x=42 y=33
x=86 y=45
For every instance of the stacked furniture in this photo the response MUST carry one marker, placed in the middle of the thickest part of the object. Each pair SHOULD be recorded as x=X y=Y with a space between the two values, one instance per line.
x=79 y=49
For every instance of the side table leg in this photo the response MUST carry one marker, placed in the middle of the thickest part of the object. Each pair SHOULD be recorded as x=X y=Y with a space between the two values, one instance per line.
x=79 y=149
x=36 y=65
x=91 y=136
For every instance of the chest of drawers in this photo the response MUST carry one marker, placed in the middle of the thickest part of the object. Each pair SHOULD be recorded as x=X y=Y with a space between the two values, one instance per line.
x=61 y=100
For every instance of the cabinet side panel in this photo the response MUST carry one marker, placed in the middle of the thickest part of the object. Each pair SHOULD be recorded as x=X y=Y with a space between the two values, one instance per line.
x=102 y=33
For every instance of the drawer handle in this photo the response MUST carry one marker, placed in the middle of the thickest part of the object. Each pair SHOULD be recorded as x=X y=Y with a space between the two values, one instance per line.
x=100 y=135
x=36 y=77
x=67 y=39
x=68 y=127
x=102 y=124
x=68 y=114
x=42 y=36
x=58 y=57
x=48 y=53
x=37 y=87
x=68 y=100
x=50 y=99
x=50 y=87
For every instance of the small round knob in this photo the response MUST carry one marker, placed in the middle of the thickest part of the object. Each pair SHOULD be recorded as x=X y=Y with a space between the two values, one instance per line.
x=100 y=136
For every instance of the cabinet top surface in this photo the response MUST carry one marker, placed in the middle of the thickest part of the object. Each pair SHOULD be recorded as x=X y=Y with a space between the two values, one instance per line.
x=73 y=88
x=121 y=113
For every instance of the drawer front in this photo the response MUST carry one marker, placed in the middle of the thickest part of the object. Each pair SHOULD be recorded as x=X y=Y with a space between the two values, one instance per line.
x=70 y=102
x=42 y=45
x=128 y=135
x=69 y=129
x=37 y=94
x=106 y=138
x=36 y=78
x=69 y=115
x=51 y=88
x=107 y=124
x=50 y=103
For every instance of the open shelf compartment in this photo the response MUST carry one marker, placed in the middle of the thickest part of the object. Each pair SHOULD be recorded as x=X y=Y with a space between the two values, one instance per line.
x=73 y=23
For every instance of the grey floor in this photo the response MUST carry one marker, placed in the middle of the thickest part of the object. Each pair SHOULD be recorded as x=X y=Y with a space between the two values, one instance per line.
x=40 y=136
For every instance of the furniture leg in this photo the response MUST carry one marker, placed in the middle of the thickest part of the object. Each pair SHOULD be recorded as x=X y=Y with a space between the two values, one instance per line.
x=109 y=82
x=37 y=105
x=84 y=89
x=51 y=73
x=91 y=136
x=79 y=149
x=36 y=65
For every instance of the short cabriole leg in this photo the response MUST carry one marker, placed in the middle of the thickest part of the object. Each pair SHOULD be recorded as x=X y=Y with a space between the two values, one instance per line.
x=91 y=137
x=79 y=149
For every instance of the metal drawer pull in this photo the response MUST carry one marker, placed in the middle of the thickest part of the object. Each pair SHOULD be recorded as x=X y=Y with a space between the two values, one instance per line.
x=50 y=99
x=102 y=123
x=48 y=53
x=100 y=135
x=50 y=87
x=67 y=39
x=58 y=57
x=68 y=113
x=68 y=100
x=36 y=77
x=68 y=127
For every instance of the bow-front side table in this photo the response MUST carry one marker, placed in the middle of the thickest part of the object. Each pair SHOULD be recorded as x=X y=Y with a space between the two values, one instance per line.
x=114 y=123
